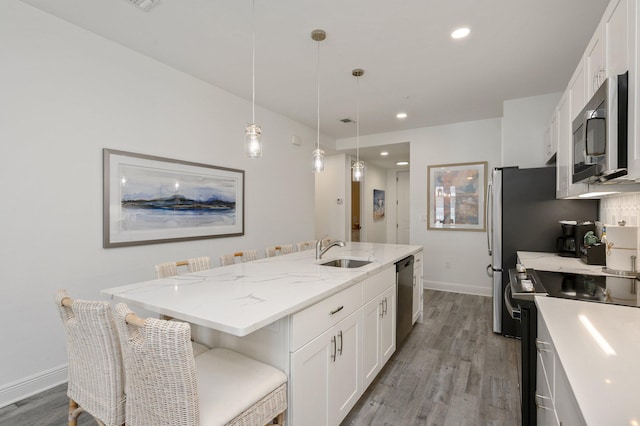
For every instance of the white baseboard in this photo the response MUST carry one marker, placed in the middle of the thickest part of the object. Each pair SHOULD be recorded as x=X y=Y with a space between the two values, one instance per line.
x=458 y=288
x=32 y=385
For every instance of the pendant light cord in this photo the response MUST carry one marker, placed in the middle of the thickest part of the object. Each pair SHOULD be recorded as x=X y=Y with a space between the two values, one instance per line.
x=358 y=119
x=318 y=105
x=253 y=62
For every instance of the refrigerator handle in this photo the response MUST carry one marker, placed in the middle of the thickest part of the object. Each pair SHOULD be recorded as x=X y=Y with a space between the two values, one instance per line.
x=488 y=215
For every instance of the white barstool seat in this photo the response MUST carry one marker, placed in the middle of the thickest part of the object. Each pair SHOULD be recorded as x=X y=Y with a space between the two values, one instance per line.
x=168 y=386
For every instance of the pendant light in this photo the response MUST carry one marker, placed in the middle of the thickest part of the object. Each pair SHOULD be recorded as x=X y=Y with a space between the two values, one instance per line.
x=253 y=132
x=318 y=154
x=357 y=169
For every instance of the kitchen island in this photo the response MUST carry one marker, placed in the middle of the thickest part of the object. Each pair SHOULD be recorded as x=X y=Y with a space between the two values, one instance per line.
x=587 y=353
x=296 y=314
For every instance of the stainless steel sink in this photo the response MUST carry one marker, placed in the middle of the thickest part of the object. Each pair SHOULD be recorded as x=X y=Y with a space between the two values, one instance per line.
x=346 y=263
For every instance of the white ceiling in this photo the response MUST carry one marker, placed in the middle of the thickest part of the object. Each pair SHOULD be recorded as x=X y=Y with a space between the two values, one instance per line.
x=516 y=49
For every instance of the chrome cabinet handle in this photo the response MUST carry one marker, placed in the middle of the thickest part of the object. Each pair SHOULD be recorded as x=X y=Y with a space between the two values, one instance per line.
x=385 y=306
x=333 y=355
x=381 y=308
x=340 y=347
x=414 y=280
x=335 y=311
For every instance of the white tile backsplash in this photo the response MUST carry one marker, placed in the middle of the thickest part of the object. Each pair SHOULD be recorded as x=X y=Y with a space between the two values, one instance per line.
x=620 y=207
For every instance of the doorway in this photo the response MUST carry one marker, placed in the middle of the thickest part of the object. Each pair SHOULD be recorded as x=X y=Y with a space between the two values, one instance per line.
x=355 y=212
x=402 y=208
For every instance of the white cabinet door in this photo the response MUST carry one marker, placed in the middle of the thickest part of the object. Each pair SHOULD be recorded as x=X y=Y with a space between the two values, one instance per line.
x=325 y=375
x=595 y=72
x=388 y=324
x=345 y=382
x=577 y=91
x=378 y=334
x=310 y=381
x=618 y=21
x=545 y=411
x=371 y=334
x=566 y=406
x=563 y=161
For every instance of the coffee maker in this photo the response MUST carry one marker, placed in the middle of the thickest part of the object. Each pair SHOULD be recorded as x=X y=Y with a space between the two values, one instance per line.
x=572 y=237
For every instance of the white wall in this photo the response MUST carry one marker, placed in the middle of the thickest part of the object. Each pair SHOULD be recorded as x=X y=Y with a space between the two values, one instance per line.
x=453 y=261
x=332 y=185
x=523 y=124
x=66 y=95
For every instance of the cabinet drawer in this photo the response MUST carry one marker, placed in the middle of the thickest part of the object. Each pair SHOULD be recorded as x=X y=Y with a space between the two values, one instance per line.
x=314 y=320
x=417 y=261
x=371 y=287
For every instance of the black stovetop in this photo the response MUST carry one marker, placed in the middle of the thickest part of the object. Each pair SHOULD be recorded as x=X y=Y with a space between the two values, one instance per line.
x=592 y=288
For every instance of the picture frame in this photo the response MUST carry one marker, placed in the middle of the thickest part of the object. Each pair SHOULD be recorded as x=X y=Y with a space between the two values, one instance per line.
x=456 y=196
x=378 y=204
x=151 y=200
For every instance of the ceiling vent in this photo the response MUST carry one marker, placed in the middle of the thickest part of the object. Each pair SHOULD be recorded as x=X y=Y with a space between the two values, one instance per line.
x=347 y=121
x=145 y=5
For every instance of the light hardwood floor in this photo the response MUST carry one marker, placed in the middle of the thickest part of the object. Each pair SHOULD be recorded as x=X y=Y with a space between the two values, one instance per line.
x=452 y=370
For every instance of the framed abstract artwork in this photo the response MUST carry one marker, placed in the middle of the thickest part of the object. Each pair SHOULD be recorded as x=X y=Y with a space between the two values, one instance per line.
x=456 y=196
x=149 y=200
x=378 y=204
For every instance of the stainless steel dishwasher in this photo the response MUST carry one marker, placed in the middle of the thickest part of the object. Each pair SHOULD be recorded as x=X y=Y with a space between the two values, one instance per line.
x=404 y=286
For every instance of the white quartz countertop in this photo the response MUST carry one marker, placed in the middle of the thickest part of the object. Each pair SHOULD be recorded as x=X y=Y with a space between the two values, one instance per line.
x=542 y=261
x=605 y=380
x=241 y=298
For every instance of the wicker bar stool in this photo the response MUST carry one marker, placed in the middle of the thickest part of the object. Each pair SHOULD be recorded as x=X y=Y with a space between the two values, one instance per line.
x=168 y=386
x=170 y=269
x=306 y=245
x=242 y=256
x=96 y=372
x=278 y=250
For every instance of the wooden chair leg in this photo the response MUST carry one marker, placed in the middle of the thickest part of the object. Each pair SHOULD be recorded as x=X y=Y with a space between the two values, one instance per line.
x=74 y=412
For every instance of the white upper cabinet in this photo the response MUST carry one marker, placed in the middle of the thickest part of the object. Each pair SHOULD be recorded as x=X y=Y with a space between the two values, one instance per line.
x=611 y=51
x=594 y=63
x=564 y=138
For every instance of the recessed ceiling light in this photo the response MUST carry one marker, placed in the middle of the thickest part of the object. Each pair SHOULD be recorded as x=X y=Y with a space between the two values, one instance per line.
x=384 y=153
x=401 y=115
x=402 y=163
x=460 y=32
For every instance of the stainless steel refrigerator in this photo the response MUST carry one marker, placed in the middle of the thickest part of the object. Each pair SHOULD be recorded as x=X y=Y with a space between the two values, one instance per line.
x=523 y=215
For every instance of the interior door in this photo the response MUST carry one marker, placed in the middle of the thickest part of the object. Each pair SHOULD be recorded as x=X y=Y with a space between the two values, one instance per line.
x=402 y=208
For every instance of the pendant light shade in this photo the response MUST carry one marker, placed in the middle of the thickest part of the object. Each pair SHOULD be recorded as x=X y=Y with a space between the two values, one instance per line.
x=253 y=132
x=318 y=160
x=318 y=154
x=252 y=143
x=357 y=169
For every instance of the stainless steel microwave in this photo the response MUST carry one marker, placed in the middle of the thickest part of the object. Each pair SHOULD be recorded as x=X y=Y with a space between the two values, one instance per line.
x=598 y=158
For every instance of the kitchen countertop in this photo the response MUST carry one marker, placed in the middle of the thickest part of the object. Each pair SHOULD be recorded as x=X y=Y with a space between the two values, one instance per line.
x=605 y=385
x=241 y=298
x=542 y=261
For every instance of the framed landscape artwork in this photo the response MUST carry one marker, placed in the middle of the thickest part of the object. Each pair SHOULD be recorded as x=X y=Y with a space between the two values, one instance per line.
x=456 y=196
x=148 y=200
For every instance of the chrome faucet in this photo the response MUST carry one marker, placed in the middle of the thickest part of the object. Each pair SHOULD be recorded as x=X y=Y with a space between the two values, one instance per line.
x=322 y=250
